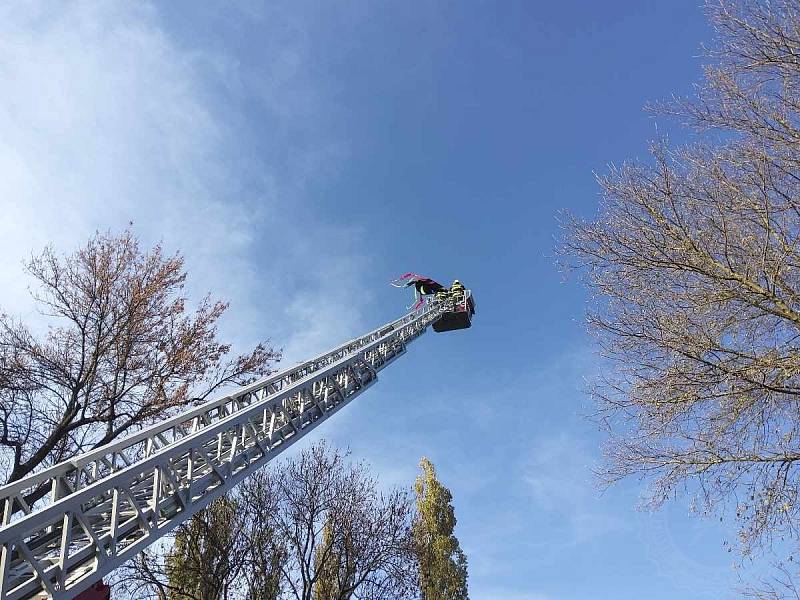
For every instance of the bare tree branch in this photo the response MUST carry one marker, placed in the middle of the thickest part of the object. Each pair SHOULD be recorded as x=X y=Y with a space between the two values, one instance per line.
x=122 y=351
x=694 y=268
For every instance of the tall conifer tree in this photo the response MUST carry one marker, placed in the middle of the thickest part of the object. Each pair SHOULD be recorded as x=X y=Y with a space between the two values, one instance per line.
x=442 y=563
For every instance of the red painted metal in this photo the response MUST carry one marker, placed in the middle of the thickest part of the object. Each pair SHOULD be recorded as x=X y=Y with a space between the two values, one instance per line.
x=99 y=591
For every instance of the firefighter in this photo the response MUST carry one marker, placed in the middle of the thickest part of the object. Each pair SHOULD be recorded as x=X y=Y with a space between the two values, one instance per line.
x=443 y=295
x=457 y=291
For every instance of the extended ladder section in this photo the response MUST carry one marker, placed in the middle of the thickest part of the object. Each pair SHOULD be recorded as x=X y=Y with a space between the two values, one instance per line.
x=68 y=526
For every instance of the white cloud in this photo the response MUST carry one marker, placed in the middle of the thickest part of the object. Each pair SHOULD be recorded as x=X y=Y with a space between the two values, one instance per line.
x=106 y=119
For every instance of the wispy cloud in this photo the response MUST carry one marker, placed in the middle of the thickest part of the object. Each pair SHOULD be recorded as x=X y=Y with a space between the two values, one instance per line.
x=107 y=119
x=558 y=473
x=677 y=545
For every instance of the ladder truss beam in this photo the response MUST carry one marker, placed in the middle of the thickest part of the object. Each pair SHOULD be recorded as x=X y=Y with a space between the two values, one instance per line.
x=103 y=507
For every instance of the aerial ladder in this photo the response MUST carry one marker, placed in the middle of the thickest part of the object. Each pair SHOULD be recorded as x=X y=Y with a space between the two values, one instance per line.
x=103 y=507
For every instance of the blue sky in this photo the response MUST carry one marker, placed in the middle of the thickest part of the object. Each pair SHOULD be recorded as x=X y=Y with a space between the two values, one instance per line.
x=303 y=154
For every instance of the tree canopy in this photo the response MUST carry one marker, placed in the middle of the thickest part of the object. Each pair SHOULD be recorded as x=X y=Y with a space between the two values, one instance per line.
x=121 y=350
x=313 y=527
x=442 y=563
x=693 y=263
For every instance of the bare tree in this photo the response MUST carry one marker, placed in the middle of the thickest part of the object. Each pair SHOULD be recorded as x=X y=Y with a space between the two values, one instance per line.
x=122 y=350
x=781 y=586
x=694 y=267
x=266 y=556
x=311 y=528
x=336 y=530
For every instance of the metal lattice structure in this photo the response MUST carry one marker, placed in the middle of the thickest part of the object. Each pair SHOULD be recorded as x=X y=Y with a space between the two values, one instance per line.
x=106 y=505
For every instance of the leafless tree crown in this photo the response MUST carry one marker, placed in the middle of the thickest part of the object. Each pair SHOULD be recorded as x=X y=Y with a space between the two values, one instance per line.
x=122 y=350
x=314 y=527
x=335 y=524
x=694 y=267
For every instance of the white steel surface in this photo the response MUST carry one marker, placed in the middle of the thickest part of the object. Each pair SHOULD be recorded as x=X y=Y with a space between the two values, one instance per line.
x=102 y=507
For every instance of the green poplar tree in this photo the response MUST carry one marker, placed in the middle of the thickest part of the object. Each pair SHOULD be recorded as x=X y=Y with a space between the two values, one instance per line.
x=263 y=570
x=326 y=563
x=442 y=563
x=332 y=562
x=203 y=561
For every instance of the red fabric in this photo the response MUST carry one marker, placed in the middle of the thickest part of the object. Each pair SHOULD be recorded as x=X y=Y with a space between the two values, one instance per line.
x=99 y=591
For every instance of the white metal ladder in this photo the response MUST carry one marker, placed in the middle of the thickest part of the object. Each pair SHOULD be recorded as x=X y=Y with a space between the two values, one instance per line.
x=104 y=506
